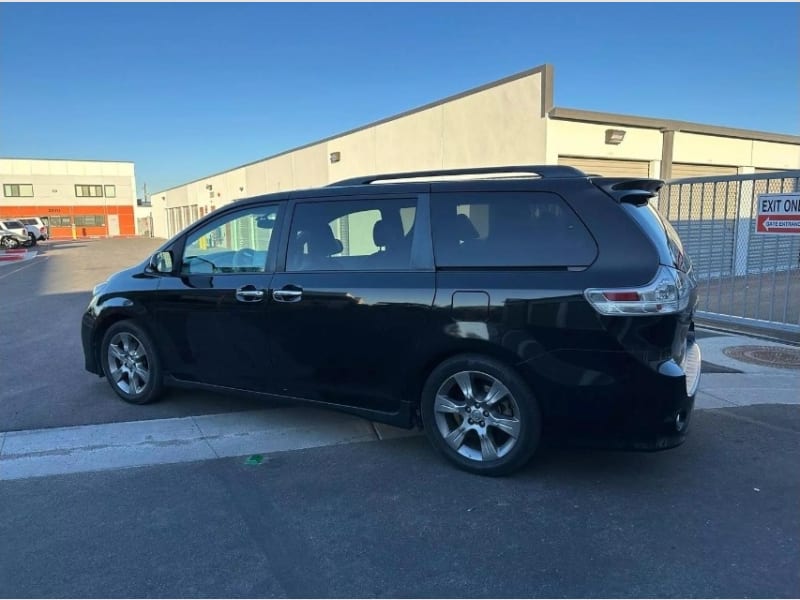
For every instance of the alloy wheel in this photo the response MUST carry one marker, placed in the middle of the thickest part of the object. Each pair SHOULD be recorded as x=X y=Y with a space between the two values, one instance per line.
x=128 y=363
x=477 y=416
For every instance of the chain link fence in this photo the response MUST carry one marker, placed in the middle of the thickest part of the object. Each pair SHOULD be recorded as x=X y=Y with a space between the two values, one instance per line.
x=745 y=277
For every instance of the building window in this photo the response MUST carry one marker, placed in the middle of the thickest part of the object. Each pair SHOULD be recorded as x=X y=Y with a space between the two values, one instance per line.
x=89 y=191
x=17 y=190
x=90 y=221
x=111 y=191
x=56 y=221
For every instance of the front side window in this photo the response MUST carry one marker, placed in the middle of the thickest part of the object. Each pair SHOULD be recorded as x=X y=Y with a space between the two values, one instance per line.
x=18 y=190
x=508 y=229
x=237 y=242
x=351 y=235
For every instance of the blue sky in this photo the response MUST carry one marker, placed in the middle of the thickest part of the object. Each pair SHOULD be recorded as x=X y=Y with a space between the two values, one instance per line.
x=184 y=90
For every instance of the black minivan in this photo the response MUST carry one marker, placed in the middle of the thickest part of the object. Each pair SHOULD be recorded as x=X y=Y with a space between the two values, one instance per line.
x=488 y=306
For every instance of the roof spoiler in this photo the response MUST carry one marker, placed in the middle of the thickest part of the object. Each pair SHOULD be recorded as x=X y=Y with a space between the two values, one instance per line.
x=627 y=190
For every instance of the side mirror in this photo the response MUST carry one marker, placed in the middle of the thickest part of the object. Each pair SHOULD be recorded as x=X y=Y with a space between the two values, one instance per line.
x=161 y=262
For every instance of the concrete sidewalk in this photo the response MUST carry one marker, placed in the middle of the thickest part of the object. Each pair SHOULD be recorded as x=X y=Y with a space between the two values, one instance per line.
x=85 y=448
x=756 y=384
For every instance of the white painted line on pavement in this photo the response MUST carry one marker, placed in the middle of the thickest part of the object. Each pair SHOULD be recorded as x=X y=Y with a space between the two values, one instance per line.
x=30 y=262
x=58 y=451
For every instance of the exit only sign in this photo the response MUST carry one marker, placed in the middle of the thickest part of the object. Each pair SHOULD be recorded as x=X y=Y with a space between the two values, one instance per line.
x=778 y=213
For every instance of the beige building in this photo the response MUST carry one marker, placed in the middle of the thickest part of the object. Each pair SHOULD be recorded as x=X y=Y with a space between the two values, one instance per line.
x=506 y=122
x=77 y=198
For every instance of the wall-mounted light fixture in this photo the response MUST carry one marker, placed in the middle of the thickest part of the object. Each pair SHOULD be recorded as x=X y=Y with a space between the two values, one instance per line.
x=241 y=188
x=209 y=187
x=615 y=136
x=336 y=157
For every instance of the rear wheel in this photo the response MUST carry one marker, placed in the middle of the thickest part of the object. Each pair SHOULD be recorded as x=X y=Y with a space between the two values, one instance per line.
x=131 y=364
x=33 y=238
x=481 y=415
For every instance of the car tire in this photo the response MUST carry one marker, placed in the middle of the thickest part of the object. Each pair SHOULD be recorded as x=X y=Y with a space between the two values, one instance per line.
x=131 y=364
x=32 y=238
x=506 y=429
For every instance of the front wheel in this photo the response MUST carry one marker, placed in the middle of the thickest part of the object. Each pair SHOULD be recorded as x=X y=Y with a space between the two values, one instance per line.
x=32 y=238
x=131 y=364
x=481 y=415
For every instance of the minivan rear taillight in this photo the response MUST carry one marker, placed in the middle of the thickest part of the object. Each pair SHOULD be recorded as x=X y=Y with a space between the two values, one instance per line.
x=669 y=292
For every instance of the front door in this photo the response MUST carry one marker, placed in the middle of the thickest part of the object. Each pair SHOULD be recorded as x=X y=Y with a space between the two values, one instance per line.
x=352 y=306
x=215 y=312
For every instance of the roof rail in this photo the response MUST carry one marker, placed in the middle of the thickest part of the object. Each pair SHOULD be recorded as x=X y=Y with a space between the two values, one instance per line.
x=537 y=170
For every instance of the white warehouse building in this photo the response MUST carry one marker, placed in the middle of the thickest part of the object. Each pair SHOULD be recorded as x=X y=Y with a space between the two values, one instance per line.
x=508 y=122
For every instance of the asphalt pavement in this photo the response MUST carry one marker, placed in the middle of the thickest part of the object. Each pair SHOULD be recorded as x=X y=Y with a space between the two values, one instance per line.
x=205 y=495
x=41 y=303
x=716 y=517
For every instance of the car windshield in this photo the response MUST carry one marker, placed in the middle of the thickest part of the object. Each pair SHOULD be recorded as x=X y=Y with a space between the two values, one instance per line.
x=13 y=224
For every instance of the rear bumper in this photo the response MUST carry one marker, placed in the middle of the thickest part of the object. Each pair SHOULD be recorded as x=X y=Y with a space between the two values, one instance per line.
x=627 y=405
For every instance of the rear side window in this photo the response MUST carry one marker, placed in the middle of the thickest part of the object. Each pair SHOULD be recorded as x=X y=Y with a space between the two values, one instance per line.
x=508 y=229
x=351 y=235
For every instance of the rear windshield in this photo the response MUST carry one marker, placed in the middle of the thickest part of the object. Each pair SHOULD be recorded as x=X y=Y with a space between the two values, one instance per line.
x=662 y=233
x=13 y=224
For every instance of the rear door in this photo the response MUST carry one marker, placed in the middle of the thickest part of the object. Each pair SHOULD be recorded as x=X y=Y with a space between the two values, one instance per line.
x=352 y=304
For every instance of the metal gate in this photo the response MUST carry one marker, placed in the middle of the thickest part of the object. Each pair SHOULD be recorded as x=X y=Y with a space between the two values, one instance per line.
x=746 y=278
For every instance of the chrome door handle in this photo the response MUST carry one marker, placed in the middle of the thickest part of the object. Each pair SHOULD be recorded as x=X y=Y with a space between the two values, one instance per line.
x=249 y=295
x=287 y=295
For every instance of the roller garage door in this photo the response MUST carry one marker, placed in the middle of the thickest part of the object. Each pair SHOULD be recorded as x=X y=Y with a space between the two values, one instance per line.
x=607 y=167
x=681 y=170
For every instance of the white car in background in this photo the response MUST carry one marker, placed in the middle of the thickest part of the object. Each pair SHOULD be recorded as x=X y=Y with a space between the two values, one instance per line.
x=36 y=227
x=13 y=238
x=16 y=226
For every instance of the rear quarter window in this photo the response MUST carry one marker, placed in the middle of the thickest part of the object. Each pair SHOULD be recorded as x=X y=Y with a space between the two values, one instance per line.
x=662 y=234
x=508 y=229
